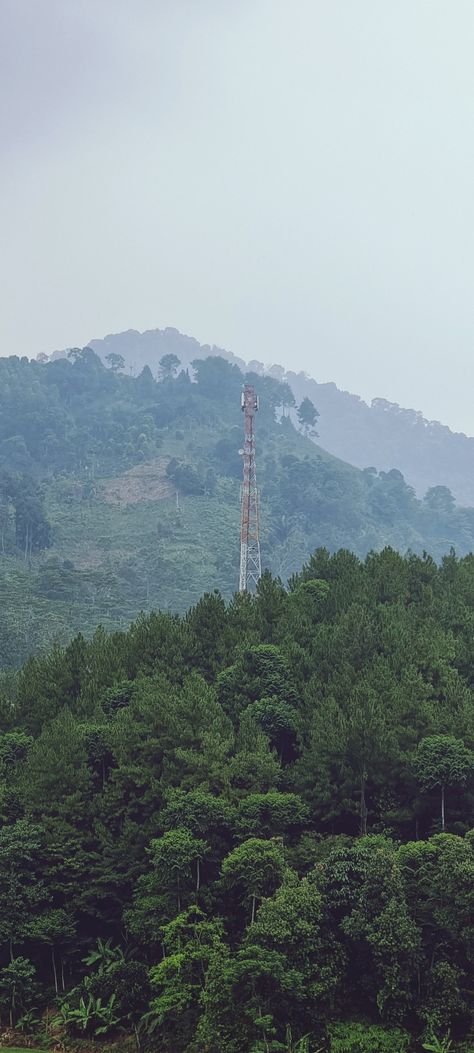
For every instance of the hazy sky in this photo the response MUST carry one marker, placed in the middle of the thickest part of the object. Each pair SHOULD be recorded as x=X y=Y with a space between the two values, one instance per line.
x=290 y=179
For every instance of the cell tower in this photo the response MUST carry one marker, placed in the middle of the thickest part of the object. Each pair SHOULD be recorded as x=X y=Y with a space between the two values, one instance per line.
x=250 y=563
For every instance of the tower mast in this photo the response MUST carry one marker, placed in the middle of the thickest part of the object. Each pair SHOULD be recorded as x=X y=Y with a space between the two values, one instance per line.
x=250 y=563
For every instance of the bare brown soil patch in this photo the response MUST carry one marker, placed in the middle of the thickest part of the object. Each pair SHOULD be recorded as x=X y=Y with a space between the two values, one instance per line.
x=144 y=482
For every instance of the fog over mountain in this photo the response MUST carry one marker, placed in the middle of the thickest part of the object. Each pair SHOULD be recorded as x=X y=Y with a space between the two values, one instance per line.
x=383 y=434
x=295 y=179
x=119 y=492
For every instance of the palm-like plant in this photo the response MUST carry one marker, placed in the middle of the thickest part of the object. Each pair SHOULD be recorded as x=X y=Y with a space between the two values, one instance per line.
x=90 y=1015
x=28 y=1021
x=302 y=1045
x=290 y=1045
x=104 y=955
x=438 y=1045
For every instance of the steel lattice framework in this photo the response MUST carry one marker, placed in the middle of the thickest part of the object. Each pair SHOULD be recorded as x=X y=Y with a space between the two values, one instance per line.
x=250 y=562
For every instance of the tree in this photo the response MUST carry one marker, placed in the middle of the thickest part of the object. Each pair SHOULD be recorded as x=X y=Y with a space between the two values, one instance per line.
x=172 y=884
x=21 y=888
x=254 y=869
x=57 y=778
x=439 y=499
x=261 y=672
x=271 y=814
x=218 y=379
x=438 y=878
x=271 y=607
x=280 y=722
x=32 y=529
x=254 y=766
x=367 y=739
x=189 y=943
x=169 y=365
x=185 y=477
x=210 y=639
x=54 y=928
x=299 y=962
x=307 y=416
x=205 y=815
x=442 y=761
x=173 y=857
x=17 y=986
x=116 y=362
x=127 y=982
x=287 y=397
x=365 y=895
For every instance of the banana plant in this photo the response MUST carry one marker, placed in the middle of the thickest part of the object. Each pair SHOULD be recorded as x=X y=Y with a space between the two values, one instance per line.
x=438 y=1045
x=89 y=1015
x=290 y=1045
x=28 y=1021
x=302 y=1045
x=104 y=955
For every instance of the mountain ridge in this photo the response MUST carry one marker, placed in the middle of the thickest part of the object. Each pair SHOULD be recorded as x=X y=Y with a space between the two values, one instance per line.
x=120 y=494
x=380 y=433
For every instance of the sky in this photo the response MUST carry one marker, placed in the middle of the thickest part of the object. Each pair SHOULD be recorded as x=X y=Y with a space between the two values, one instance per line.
x=290 y=179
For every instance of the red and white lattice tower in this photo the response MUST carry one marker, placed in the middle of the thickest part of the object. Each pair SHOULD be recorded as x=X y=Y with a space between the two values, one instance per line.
x=250 y=563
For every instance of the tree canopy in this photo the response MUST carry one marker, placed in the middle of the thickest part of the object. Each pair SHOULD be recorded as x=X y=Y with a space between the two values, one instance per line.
x=223 y=829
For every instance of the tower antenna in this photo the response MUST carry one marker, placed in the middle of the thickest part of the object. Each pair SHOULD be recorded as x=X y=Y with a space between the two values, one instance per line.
x=250 y=562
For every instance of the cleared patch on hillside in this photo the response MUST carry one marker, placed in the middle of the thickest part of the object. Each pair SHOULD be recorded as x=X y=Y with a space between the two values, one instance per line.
x=93 y=558
x=144 y=482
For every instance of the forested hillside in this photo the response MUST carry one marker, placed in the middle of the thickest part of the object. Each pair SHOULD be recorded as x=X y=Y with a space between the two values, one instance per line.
x=120 y=494
x=386 y=435
x=250 y=824
x=382 y=434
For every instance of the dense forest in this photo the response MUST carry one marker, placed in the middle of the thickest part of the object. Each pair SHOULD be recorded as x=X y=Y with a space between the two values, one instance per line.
x=248 y=829
x=120 y=494
x=383 y=433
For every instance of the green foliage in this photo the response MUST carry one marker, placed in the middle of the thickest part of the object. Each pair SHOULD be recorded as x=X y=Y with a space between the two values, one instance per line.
x=17 y=987
x=29 y=1022
x=438 y=1045
x=220 y=829
x=189 y=942
x=169 y=365
x=119 y=494
x=271 y=814
x=127 y=983
x=442 y=760
x=365 y=1038
x=90 y=1016
x=307 y=415
x=254 y=869
x=104 y=956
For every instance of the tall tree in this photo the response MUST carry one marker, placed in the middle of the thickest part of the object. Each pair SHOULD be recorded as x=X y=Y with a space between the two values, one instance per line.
x=442 y=761
x=169 y=365
x=116 y=361
x=254 y=869
x=308 y=416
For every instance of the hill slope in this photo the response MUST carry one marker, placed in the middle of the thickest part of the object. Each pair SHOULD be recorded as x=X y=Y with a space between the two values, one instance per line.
x=230 y=824
x=120 y=494
x=383 y=434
